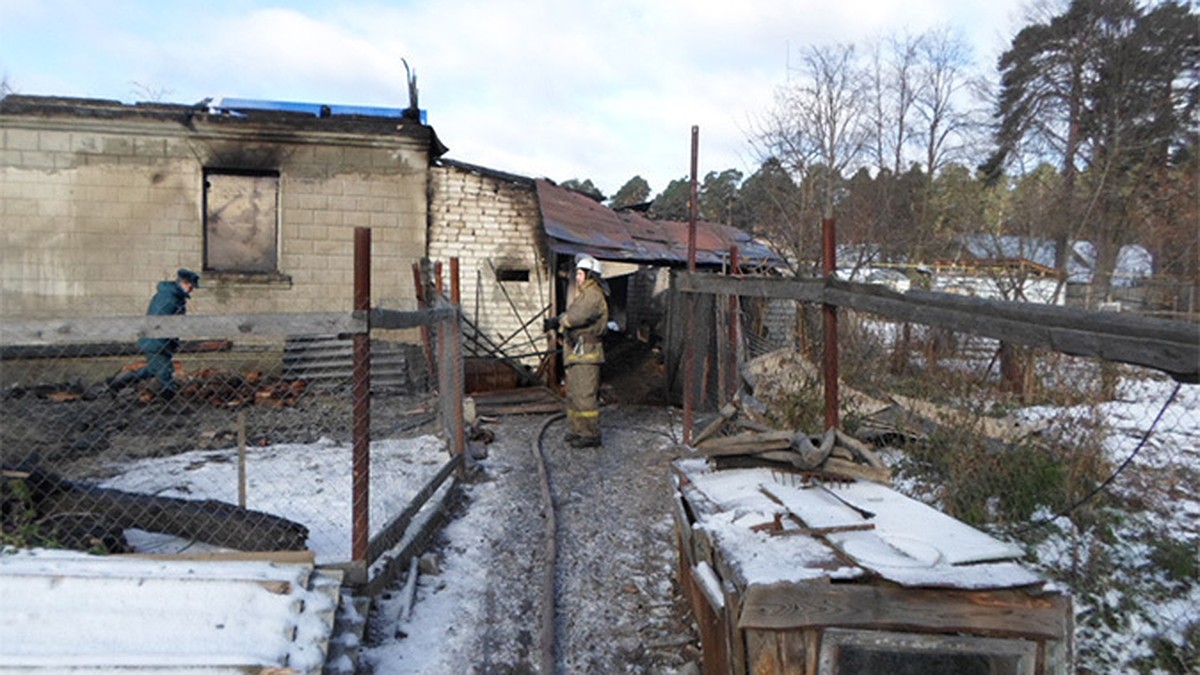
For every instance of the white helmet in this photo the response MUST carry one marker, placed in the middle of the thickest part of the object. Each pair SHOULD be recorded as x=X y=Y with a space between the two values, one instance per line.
x=587 y=263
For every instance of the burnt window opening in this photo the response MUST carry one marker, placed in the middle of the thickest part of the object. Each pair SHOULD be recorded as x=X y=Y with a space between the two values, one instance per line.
x=241 y=222
x=512 y=274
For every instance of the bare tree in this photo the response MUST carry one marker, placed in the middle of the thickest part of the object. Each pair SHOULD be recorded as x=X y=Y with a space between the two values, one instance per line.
x=816 y=131
x=944 y=97
x=894 y=86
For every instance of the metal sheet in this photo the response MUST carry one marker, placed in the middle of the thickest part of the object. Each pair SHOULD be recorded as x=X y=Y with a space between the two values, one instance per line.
x=575 y=223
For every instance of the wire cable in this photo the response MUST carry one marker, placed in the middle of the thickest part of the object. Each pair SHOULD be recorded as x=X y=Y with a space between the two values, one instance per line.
x=1108 y=481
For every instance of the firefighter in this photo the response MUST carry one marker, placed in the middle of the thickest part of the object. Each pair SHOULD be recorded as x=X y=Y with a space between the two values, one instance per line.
x=582 y=326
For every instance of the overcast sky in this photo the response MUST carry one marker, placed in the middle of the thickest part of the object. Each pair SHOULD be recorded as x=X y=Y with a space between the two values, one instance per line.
x=599 y=89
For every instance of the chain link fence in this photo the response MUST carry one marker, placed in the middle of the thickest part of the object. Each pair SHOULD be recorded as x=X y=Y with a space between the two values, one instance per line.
x=271 y=434
x=1090 y=464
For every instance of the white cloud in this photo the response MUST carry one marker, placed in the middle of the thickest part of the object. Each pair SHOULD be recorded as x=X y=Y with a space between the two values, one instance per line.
x=602 y=90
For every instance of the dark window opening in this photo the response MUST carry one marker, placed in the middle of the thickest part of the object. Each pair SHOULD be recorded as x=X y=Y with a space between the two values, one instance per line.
x=510 y=274
x=241 y=222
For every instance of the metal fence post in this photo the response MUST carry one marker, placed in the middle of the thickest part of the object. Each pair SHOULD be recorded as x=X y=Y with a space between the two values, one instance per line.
x=829 y=314
x=360 y=506
x=689 y=349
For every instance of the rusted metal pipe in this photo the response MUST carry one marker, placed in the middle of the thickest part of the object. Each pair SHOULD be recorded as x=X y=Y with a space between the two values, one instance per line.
x=454 y=283
x=830 y=323
x=731 y=371
x=693 y=200
x=361 y=479
x=689 y=349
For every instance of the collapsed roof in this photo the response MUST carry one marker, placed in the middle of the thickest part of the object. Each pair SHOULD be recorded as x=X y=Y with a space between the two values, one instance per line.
x=575 y=223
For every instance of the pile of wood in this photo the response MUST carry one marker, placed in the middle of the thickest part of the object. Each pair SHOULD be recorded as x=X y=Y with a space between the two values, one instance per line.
x=741 y=436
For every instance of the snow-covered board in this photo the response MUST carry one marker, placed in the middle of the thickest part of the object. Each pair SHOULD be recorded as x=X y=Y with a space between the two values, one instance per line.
x=911 y=544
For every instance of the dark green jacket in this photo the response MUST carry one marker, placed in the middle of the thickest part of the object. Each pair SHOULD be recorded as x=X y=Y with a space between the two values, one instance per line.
x=169 y=300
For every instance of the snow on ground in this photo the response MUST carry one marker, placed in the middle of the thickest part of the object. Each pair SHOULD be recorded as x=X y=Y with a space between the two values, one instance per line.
x=1120 y=617
x=311 y=484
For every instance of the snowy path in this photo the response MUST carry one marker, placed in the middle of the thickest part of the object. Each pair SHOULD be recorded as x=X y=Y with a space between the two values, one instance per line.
x=618 y=608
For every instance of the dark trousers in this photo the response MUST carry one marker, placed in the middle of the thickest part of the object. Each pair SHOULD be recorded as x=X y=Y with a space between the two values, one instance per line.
x=160 y=363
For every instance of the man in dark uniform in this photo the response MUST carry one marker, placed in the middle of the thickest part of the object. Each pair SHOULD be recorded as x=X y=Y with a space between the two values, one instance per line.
x=170 y=299
x=582 y=325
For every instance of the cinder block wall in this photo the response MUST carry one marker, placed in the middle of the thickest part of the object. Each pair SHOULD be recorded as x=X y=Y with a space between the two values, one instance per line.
x=491 y=222
x=95 y=211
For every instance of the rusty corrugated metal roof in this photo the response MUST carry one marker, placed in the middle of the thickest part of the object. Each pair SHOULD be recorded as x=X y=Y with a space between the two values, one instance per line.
x=575 y=223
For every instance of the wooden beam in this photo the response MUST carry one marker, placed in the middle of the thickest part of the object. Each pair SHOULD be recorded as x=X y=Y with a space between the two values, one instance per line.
x=1170 y=346
x=130 y=328
x=395 y=319
x=395 y=531
x=126 y=329
x=790 y=606
x=803 y=290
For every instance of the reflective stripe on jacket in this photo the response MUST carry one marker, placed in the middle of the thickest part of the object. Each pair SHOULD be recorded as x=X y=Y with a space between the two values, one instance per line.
x=583 y=323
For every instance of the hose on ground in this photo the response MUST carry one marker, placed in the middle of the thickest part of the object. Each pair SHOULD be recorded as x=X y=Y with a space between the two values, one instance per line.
x=549 y=581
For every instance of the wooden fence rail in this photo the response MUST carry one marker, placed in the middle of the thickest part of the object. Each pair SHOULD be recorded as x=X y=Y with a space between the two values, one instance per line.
x=1172 y=347
x=225 y=326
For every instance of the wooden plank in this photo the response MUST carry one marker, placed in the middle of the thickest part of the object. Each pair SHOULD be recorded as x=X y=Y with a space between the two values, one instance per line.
x=1170 y=346
x=803 y=290
x=394 y=531
x=725 y=414
x=770 y=652
x=789 y=606
x=1092 y=335
x=894 y=514
x=747 y=443
x=862 y=450
x=735 y=638
x=396 y=319
x=281 y=557
x=420 y=541
x=130 y=328
x=843 y=467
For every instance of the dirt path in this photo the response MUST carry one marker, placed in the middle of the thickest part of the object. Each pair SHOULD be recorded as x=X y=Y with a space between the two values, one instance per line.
x=618 y=607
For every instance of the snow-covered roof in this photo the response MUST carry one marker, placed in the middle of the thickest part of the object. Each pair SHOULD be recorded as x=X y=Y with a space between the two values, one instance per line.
x=882 y=532
x=69 y=610
x=1133 y=260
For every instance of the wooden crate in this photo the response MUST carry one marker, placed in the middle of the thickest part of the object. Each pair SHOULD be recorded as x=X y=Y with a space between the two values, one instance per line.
x=787 y=576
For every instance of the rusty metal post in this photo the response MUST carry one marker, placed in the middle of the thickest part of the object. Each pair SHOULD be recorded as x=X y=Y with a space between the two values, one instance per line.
x=735 y=324
x=361 y=502
x=437 y=279
x=830 y=322
x=689 y=348
x=693 y=200
x=454 y=282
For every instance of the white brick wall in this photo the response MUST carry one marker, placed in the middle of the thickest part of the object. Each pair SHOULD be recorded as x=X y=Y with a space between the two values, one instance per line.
x=491 y=222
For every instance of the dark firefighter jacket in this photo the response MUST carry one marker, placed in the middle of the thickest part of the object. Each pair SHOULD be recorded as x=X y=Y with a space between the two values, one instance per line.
x=583 y=323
